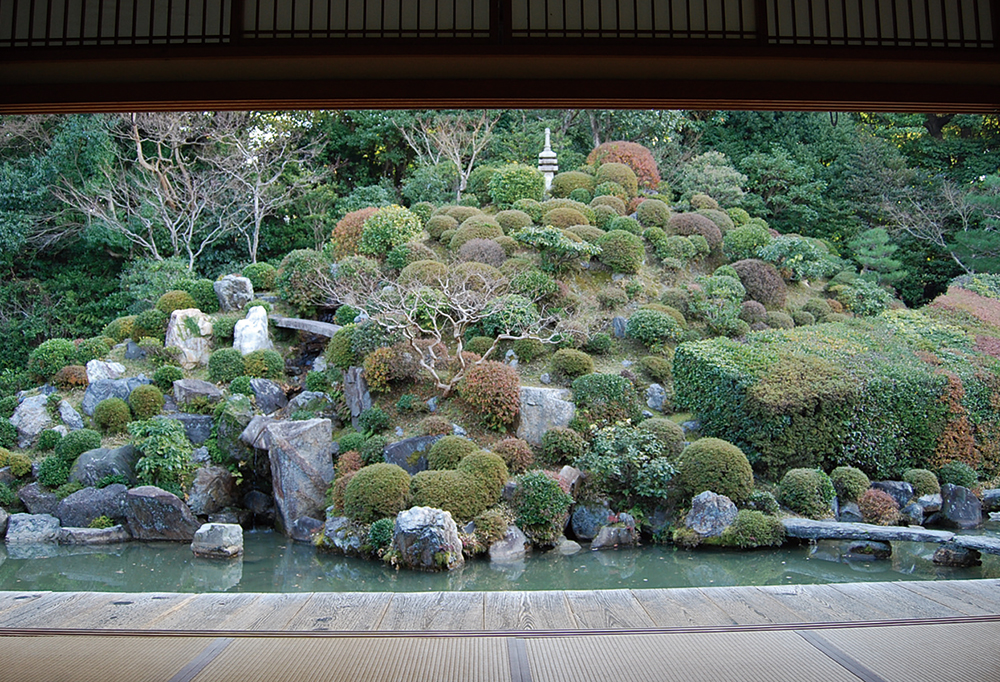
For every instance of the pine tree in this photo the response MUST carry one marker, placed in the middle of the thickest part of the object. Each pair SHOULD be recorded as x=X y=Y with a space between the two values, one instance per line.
x=873 y=251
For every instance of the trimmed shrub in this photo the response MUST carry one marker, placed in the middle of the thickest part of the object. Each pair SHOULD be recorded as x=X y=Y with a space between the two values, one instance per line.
x=802 y=319
x=620 y=174
x=8 y=434
x=530 y=206
x=752 y=529
x=112 y=415
x=572 y=363
x=533 y=285
x=720 y=218
x=508 y=314
x=377 y=491
x=603 y=215
x=434 y=425
x=716 y=465
x=150 y=323
x=564 y=218
x=779 y=320
x=657 y=368
x=622 y=251
x=610 y=201
x=819 y=308
x=477 y=230
x=564 y=183
x=653 y=213
x=224 y=365
x=428 y=272
x=514 y=182
x=958 y=473
x=351 y=441
x=70 y=376
x=20 y=464
x=582 y=195
x=449 y=451
x=461 y=213
x=387 y=228
x=807 y=491
x=701 y=202
x=262 y=364
x=600 y=343
x=512 y=220
x=120 y=328
x=540 y=507
x=50 y=357
x=298 y=278
x=633 y=155
x=407 y=253
x=587 y=233
x=465 y=492
x=242 y=385
x=612 y=297
x=878 y=507
x=261 y=275
x=688 y=224
x=489 y=471
x=145 y=401
x=924 y=482
x=48 y=439
x=439 y=224
x=625 y=224
x=849 y=482
x=516 y=454
x=224 y=327
x=560 y=444
x=203 y=293
x=670 y=435
x=615 y=190
x=604 y=399
x=175 y=299
x=482 y=251
x=653 y=328
x=380 y=535
x=94 y=348
x=374 y=420
x=744 y=242
x=762 y=282
x=493 y=390
x=753 y=312
x=347 y=233
x=75 y=443
x=339 y=351
x=165 y=376
x=527 y=350
x=53 y=471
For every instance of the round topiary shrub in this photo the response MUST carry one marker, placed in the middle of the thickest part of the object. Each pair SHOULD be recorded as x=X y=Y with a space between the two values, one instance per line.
x=924 y=482
x=50 y=357
x=753 y=312
x=612 y=297
x=744 y=242
x=119 y=329
x=460 y=213
x=241 y=385
x=224 y=326
x=625 y=224
x=657 y=368
x=540 y=507
x=603 y=399
x=587 y=233
x=802 y=319
x=778 y=320
x=438 y=224
x=849 y=482
x=482 y=251
x=514 y=182
x=466 y=492
x=374 y=420
x=165 y=376
x=653 y=328
x=377 y=491
x=449 y=451
x=603 y=215
x=619 y=174
x=493 y=390
x=819 y=308
x=564 y=217
x=653 y=213
x=339 y=351
x=560 y=444
x=516 y=454
x=434 y=425
x=634 y=155
x=298 y=279
x=762 y=282
x=610 y=201
x=564 y=183
x=77 y=442
x=351 y=441
x=387 y=228
x=720 y=218
x=112 y=415
x=752 y=529
x=427 y=272
x=175 y=300
x=490 y=473
x=572 y=363
x=94 y=348
x=263 y=364
x=150 y=323
x=806 y=491
x=688 y=224
x=716 y=465
x=622 y=251
x=508 y=314
x=224 y=365
x=669 y=433
x=261 y=275
x=512 y=220
x=958 y=473
x=701 y=202
x=347 y=232
x=48 y=439
x=145 y=401
x=878 y=507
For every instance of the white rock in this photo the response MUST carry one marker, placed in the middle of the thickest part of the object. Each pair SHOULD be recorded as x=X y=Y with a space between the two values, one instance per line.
x=99 y=369
x=251 y=333
x=218 y=541
x=194 y=347
x=31 y=418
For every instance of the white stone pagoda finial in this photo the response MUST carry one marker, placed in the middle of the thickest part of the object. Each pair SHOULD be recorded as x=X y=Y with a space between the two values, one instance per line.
x=547 y=162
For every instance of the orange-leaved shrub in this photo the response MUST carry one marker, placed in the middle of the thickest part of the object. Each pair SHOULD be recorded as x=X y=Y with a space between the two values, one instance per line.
x=347 y=233
x=493 y=389
x=633 y=155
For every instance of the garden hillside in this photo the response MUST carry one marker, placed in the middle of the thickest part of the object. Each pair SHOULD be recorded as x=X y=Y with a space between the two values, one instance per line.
x=284 y=322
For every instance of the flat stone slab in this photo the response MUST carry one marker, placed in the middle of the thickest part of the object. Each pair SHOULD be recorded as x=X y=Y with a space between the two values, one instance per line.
x=808 y=529
x=311 y=326
x=980 y=543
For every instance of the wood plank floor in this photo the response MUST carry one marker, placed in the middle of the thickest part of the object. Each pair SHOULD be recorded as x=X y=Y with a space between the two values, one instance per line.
x=502 y=611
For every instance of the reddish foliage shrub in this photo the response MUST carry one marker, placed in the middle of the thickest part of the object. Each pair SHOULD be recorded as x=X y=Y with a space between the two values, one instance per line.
x=347 y=233
x=70 y=376
x=762 y=282
x=347 y=463
x=494 y=391
x=516 y=454
x=687 y=224
x=633 y=155
x=989 y=345
x=957 y=441
x=981 y=307
x=878 y=507
x=434 y=426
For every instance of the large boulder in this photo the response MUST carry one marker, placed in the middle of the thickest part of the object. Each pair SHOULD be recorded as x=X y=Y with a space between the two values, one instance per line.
x=4 y=520
x=94 y=536
x=31 y=418
x=192 y=339
x=543 y=409
x=197 y=427
x=710 y=514
x=32 y=528
x=254 y=433
x=612 y=537
x=251 y=333
x=236 y=415
x=656 y=397
x=38 y=501
x=901 y=491
x=301 y=457
x=155 y=514
x=93 y=465
x=70 y=417
x=218 y=541
x=212 y=490
x=410 y=453
x=79 y=509
x=187 y=390
x=342 y=535
x=109 y=388
x=510 y=547
x=234 y=292
x=427 y=540
x=270 y=396
x=99 y=369
x=960 y=508
x=991 y=500
x=356 y=393
x=587 y=520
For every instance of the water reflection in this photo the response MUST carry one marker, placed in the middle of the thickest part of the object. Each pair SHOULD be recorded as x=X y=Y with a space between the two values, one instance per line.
x=273 y=564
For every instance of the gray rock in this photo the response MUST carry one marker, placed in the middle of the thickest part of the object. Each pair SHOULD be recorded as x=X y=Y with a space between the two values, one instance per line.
x=133 y=351
x=956 y=556
x=510 y=547
x=587 y=520
x=808 y=529
x=7 y=477
x=356 y=393
x=340 y=534
x=568 y=547
x=913 y=514
x=991 y=500
x=197 y=427
x=37 y=501
x=193 y=347
x=570 y=477
x=304 y=529
x=900 y=491
x=850 y=512
x=432 y=404
x=234 y=292
x=457 y=430
x=627 y=363
x=79 y=509
x=987 y=544
x=99 y=369
x=218 y=541
x=186 y=390
x=200 y=456
x=427 y=540
x=109 y=388
x=309 y=401
x=155 y=514
x=691 y=425
x=319 y=364
x=545 y=378
x=398 y=431
x=258 y=502
x=93 y=465
x=656 y=396
x=710 y=514
x=612 y=537
x=960 y=508
x=411 y=453
x=32 y=528
x=301 y=467
x=930 y=503
x=241 y=517
x=543 y=409
x=251 y=333
x=270 y=396
x=235 y=417
x=213 y=489
x=30 y=418
x=94 y=536
x=868 y=549
x=618 y=325
x=253 y=434
x=70 y=417
x=4 y=520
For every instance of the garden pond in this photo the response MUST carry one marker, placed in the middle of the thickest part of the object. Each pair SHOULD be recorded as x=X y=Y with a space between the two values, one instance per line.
x=273 y=563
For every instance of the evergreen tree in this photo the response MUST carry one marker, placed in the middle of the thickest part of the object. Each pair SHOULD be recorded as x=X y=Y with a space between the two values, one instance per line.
x=874 y=253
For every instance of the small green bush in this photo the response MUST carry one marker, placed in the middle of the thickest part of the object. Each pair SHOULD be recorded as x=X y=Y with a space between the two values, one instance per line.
x=572 y=363
x=351 y=441
x=374 y=420
x=298 y=279
x=112 y=415
x=564 y=183
x=223 y=327
x=560 y=444
x=849 y=482
x=150 y=323
x=447 y=452
x=8 y=434
x=75 y=443
x=48 y=439
x=528 y=349
x=261 y=276
x=203 y=293
x=380 y=534
x=20 y=464
x=670 y=434
x=878 y=507
x=622 y=251
x=263 y=364
x=165 y=376
x=224 y=365
x=611 y=297
x=653 y=328
x=440 y=223
x=119 y=329
x=752 y=529
x=514 y=182
x=53 y=471
x=802 y=319
x=467 y=233
x=957 y=473
x=763 y=501
x=7 y=406
x=242 y=385
x=175 y=299
x=716 y=465
x=164 y=453
x=806 y=491
x=387 y=228
x=778 y=320
x=339 y=351
x=377 y=491
x=619 y=174
x=625 y=224
x=653 y=213
x=924 y=482
x=493 y=390
x=540 y=507
x=603 y=399
x=657 y=368
x=49 y=357
x=513 y=220
x=690 y=224
x=95 y=348
x=564 y=217
x=146 y=401
x=744 y=242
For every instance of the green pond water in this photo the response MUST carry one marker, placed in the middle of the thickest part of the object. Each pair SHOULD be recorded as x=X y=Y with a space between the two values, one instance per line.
x=272 y=563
